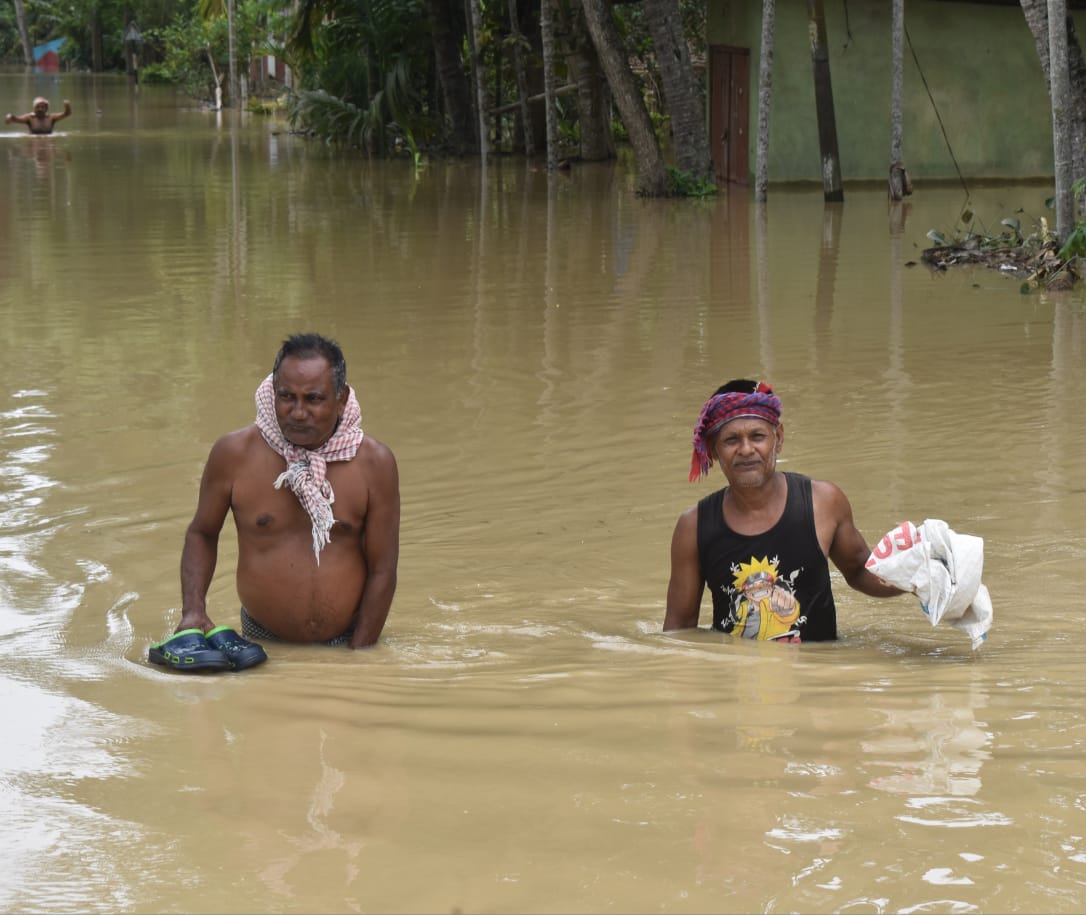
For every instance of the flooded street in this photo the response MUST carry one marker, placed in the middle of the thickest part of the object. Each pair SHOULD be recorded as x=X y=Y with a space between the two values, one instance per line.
x=535 y=349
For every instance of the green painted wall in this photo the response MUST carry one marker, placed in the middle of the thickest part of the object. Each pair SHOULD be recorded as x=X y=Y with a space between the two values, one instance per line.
x=978 y=60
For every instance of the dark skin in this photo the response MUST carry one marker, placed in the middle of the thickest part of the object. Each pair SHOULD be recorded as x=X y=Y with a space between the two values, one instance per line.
x=40 y=121
x=279 y=580
x=747 y=451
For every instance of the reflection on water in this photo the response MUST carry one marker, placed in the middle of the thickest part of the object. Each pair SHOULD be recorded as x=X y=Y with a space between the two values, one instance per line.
x=535 y=349
x=941 y=747
x=319 y=836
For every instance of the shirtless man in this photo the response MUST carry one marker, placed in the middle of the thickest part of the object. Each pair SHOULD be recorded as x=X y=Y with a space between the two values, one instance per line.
x=761 y=543
x=316 y=505
x=40 y=121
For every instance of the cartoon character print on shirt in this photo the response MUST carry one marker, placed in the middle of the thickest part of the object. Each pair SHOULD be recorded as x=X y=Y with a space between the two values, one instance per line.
x=763 y=605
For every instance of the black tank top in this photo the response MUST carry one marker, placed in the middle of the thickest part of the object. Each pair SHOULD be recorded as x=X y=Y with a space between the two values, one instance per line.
x=774 y=585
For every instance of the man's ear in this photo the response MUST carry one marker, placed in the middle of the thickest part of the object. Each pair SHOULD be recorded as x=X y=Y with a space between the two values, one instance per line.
x=780 y=436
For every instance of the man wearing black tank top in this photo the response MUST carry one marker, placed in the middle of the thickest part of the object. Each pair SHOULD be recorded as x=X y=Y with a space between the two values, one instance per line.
x=761 y=543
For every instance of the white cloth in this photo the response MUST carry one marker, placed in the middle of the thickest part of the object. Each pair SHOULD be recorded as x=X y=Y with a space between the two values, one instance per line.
x=943 y=569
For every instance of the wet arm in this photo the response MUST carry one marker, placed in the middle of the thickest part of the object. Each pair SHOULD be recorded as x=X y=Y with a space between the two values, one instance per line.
x=686 y=584
x=200 y=552
x=849 y=551
x=65 y=113
x=381 y=549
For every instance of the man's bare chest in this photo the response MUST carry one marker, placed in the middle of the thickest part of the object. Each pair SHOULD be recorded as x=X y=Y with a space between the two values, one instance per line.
x=258 y=505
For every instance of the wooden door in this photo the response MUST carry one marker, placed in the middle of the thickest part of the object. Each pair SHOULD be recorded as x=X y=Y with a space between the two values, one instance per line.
x=729 y=113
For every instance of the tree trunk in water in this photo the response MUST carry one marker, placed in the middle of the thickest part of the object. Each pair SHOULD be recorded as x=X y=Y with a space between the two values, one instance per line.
x=96 y=42
x=217 y=76
x=899 y=180
x=1060 y=88
x=652 y=179
x=531 y=30
x=832 y=190
x=24 y=32
x=546 y=24
x=1036 y=13
x=765 y=101
x=447 y=35
x=231 y=55
x=478 y=77
x=593 y=104
x=685 y=101
x=522 y=80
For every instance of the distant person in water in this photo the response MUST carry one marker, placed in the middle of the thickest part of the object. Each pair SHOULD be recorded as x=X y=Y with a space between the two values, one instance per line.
x=39 y=121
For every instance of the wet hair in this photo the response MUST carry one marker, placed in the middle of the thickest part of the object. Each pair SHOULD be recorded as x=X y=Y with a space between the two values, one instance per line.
x=737 y=386
x=306 y=346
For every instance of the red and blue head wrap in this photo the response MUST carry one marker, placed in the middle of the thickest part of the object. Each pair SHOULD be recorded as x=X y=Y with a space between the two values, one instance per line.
x=761 y=403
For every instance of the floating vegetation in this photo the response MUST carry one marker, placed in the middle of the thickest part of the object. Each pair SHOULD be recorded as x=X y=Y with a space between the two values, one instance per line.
x=1035 y=258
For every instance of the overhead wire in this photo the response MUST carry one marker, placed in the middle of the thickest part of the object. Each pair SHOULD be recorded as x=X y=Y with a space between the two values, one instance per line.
x=935 y=108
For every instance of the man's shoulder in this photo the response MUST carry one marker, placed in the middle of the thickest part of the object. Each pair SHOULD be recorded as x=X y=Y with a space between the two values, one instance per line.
x=827 y=496
x=246 y=435
x=375 y=463
x=373 y=451
x=817 y=486
x=240 y=443
x=708 y=504
x=824 y=487
x=716 y=496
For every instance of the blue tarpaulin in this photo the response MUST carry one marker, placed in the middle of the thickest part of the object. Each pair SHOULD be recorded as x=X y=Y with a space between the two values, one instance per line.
x=46 y=55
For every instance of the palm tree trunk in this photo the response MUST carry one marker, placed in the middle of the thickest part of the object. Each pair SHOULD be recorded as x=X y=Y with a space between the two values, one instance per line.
x=593 y=108
x=24 y=32
x=583 y=66
x=475 y=28
x=1060 y=90
x=97 y=56
x=685 y=101
x=522 y=80
x=232 y=63
x=832 y=190
x=898 y=179
x=765 y=101
x=652 y=180
x=546 y=24
x=1036 y=13
x=447 y=33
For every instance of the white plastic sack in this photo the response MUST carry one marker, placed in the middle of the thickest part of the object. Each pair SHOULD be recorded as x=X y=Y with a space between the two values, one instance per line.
x=942 y=569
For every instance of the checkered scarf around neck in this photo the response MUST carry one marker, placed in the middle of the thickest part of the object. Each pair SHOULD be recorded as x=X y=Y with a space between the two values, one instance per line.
x=719 y=409
x=306 y=469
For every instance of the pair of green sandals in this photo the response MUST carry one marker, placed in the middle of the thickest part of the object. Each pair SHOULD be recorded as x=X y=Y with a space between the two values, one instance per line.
x=221 y=649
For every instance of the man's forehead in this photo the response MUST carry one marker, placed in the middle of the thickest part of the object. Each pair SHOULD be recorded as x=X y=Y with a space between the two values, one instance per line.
x=746 y=424
x=310 y=372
